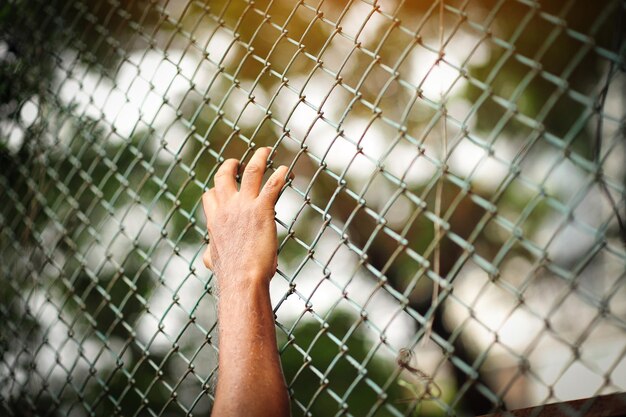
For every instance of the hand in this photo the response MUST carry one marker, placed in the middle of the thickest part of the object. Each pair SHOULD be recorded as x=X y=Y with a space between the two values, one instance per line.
x=242 y=232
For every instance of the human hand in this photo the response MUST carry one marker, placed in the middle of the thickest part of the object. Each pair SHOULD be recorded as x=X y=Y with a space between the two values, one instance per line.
x=242 y=234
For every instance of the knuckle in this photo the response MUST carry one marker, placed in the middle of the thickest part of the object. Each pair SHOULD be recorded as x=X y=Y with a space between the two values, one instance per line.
x=253 y=169
x=220 y=174
x=272 y=183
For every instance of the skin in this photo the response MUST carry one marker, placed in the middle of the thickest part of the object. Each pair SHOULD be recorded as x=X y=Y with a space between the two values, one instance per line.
x=242 y=253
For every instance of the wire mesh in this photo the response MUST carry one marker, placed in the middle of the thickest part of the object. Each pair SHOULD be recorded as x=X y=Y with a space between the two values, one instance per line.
x=452 y=243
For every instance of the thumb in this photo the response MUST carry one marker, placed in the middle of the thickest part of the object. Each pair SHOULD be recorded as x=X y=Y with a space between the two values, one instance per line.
x=206 y=257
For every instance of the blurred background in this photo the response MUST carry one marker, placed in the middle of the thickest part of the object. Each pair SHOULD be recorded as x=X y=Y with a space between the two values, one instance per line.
x=453 y=242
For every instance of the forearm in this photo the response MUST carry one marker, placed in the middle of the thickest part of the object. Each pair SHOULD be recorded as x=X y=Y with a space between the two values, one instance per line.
x=242 y=239
x=250 y=381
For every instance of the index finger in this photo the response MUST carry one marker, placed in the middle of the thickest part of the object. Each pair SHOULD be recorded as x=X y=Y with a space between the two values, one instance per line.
x=224 y=178
x=208 y=204
x=253 y=174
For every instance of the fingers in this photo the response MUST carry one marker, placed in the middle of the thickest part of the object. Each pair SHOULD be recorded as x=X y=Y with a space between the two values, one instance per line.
x=274 y=184
x=208 y=203
x=224 y=179
x=253 y=174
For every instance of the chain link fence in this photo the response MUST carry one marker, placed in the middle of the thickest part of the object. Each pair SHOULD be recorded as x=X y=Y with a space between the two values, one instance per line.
x=452 y=243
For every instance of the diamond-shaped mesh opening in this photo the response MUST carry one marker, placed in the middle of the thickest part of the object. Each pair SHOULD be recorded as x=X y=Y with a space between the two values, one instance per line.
x=452 y=242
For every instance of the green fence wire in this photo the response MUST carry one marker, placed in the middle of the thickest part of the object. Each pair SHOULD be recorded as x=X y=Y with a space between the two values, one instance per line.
x=452 y=243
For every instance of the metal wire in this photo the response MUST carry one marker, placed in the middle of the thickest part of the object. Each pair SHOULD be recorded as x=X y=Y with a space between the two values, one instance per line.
x=452 y=243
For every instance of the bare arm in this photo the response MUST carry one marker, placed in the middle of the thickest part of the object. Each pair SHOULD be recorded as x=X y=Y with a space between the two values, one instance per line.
x=242 y=254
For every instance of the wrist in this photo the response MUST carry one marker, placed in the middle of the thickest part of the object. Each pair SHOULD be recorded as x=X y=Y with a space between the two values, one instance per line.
x=246 y=298
x=242 y=282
